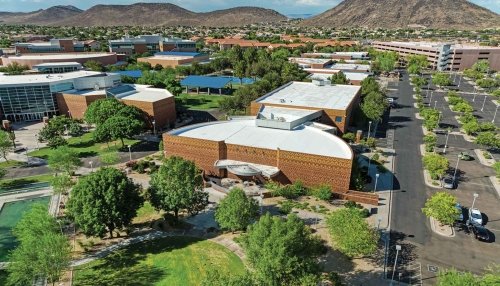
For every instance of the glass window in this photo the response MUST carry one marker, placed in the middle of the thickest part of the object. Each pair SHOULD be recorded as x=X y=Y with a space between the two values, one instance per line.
x=338 y=119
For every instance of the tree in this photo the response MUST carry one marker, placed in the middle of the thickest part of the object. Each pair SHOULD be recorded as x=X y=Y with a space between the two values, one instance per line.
x=452 y=277
x=64 y=159
x=463 y=107
x=281 y=251
x=103 y=201
x=100 y=110
x=441 y=79
x=368 y=85
x=121 y=127
x=177 y=186
x=94 y=66
x=430 y=141
x=14 y=69
x=5 y=144
x=43 y=251
x=351 y=233
x=435 y=164
x=61 y=184
x=442 y=207
x=482 y=66
x=339 y=78
x=216 y=278
x=236 y=211
x=56 y=142
x=471 y=127
x=488 y=139
x=374 y=105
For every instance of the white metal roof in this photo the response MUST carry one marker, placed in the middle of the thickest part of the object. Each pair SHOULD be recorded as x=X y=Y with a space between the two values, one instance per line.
x=44 y=78
x=340 y=66
x=244 y=132
x=309 y=60
x=147 y=93
x=349 y=75
x=289 y=114
x=59 y=56
x=307 y=94
x=58 y=64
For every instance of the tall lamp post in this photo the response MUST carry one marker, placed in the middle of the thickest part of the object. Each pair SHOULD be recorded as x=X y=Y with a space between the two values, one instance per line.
x=430 y=101
x=435 y=104
x=154 y=127
x=475 y=94
x=91 y=166
x=376 y=181
x=446 y=143
x=398 y=248
x=495 y=115
x=476 y=195
x=130 y=152
x=484 y=102
x=369 y=128
x=456 y=168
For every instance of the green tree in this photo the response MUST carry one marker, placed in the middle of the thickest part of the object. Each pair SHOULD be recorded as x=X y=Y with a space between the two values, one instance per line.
x=441 y=79
x=216 y=278
x=281 y=251
x=351 y=233
x=463 y=107
x=100 y=110
x=43 y=251
x=339 y=78
x=435 y=164
x=430 y=141
x=482 y=66
x=5 y=144
x=104 y=201
x=14 y=69
x=374 y=105
x=236 y=211
x=488 y=139
x=177 y=186
x=94 y=66
x=120 y=127
x=56 y=142
x=61 y=184
x=64 y=159
x=368 y=85
x=452 y=277
x=442 y=207
x=471 y=127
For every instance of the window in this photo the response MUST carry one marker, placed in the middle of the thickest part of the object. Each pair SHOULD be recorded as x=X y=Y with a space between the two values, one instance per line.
x=338 y=119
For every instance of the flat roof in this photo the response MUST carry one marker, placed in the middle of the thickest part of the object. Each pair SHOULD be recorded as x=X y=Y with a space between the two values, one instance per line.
x=169 y=57
x=130 y=73
x=244 y=132
x=307 y=94
x=309 y=60
x=289 y=114
x=145 y=93
x=340 y=66
x=185 y=54
x=349 y=75
x=58 y=64
x=45 y=78
x=60 y=56
x=205 y=81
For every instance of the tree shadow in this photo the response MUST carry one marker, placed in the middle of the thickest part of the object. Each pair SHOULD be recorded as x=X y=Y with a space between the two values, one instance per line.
x=85 y=154
x=82 y=144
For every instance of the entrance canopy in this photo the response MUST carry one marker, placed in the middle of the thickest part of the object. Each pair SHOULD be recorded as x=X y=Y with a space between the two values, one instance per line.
x=246 y=169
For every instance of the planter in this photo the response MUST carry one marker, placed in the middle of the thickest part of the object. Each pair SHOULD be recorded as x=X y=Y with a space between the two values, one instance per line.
x=483 y=160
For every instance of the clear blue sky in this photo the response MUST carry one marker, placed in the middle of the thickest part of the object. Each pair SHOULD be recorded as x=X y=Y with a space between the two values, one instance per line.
x=282 y=6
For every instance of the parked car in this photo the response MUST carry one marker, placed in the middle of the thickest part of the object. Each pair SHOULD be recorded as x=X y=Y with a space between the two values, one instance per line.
x=480 y=232
x=460 y=216
x=448 y=182
x=465 y=156
x=475 y=216
x=391 y=101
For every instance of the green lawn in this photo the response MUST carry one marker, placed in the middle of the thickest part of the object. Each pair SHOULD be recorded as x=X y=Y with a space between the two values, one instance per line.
x=9 y=184
x=171 y=261
x=11 y=163
x=198 y=101
x=85 y=146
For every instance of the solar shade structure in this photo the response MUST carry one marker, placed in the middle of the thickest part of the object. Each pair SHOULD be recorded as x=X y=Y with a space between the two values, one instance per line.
x=131 y=73
x=205 y=81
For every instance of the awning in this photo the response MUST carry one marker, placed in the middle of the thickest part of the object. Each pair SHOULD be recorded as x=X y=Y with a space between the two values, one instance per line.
x=246 y=169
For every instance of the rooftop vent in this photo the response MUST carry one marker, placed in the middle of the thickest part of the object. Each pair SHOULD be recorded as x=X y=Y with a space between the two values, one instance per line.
x=318 y=82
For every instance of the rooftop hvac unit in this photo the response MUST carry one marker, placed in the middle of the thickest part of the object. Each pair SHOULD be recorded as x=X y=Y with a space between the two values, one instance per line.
x=97 y=87
x=318 y=82
x=282 y=100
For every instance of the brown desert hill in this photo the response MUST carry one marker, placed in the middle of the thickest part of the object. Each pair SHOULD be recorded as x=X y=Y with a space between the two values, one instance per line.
x=40 y=17
x=440 y=14
x=146 y=14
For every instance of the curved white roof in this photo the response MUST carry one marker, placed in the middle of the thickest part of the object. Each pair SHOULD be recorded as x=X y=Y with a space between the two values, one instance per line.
x=244 y=132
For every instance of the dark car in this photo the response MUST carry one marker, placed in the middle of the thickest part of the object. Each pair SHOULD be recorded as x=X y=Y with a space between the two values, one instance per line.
x=448 y=182
x=480 y=232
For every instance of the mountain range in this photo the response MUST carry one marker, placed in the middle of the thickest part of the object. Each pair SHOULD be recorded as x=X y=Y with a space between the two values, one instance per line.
x=457 y=14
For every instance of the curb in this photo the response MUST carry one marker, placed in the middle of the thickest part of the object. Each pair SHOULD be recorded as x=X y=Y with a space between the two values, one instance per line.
x=433 y=227
x=482 y=159
x=428 y=180
x=496 y=184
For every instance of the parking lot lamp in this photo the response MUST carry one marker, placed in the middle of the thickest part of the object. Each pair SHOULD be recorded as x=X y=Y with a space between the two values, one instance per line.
x=446 y=143
x=459 y=81
x=435 y=104
x=476 y=195
x=484 y=102
x=475 y=93
x=130 y=152
x=376 y=181
x=456 y=168
x=91 y=166
x=398 y=248
x=154 y=127
x=495 y=115
x=369 y=128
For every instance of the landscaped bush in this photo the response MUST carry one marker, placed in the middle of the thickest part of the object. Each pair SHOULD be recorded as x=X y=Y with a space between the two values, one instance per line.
x=452 y=93
x=435 y=164
x=293 y=191
x=322 y=192
x=496 y=167
x=487 y=126
x=471 y=127
x=375 y=157
x=455 y=100
x=467 y=117
x=286 y=207
x=430 y=141
x=496 y=93
x=349 y=137
x=462 y=107
x=487 y=155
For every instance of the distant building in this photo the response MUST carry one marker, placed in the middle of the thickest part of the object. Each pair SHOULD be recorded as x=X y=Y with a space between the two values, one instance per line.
x=150 y=43
x=444 y=56
x=339 y=55
x=60 y=67
x=54 y=46
x=157 y=103
x=315 y=63
x=31 y=97
x=335 y=103
x=355 y=78
x=173 y=59
x=32 y=60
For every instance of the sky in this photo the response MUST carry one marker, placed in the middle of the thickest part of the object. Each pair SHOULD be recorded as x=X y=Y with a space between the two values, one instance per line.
x=285 y=7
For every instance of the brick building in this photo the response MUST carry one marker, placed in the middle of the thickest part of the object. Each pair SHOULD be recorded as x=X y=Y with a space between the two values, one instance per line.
x=55 y=46
x=335 y=103
x=158 y=104
x=150 y=43
x=173 y=59
x=32 y=59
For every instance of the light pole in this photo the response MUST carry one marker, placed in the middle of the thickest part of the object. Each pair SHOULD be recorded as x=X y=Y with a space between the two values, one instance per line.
x=446 y=143
x=154 y=127
x=378 y=224
x=130 y=152
x=430 y=101
x=475 y=94
x=495 y=115
x=476 y=195
x=36 y=139
x=398 y=248
x=456 y=168
x=435 y=104
x=91 y=166
x=459 y=81
x=484 y=102
x=376 y=181
x=369 y=128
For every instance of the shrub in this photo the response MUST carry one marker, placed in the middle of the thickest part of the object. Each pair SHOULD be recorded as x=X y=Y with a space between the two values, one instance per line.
x=349 y=137
x=322 y=192
x=351 y=204
x=462 y=107
x=375 y=157
x=365 y=213
x=487 y=126
x=452 y=93
x=455 y=100
x=467 y=117
x=286 y=207
x=435 y=164
x=496 y=167
x=471 y=127
x=430 y=141
x=131 y=164
x=293 y=191
x=487 y=155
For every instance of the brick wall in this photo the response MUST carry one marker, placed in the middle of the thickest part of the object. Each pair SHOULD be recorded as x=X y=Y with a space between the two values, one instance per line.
x=162 y=111
x=75 y=104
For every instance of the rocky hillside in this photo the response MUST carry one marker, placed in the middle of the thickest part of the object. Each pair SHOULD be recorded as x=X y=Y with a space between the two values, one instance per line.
x=150 y=14
x=40 y=17
x=458 y=14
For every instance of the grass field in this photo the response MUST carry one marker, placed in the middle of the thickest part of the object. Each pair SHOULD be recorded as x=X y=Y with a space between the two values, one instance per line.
x=171 y=261
x=9 y=184
x=199 y=101
x=85 y=146
x=11 y=163
x=10 y=214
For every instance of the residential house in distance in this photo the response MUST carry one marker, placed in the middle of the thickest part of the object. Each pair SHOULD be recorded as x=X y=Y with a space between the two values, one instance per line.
x=150 y=43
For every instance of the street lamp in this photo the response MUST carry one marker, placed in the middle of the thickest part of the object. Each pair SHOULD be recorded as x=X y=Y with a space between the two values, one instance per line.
x=369 y=128
x=130 y=152
x=495 y=115
x=398 y=248
x=484 y=102
x=435 y=103
x=36 y=139
x=91 y=166
x=456 y=168
x=379 y=221
x=154 y=127
x=476 y=195
x=475 y=93
x=446 y=143
x=430 y=101
x=376 y=181
x=459 y=81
